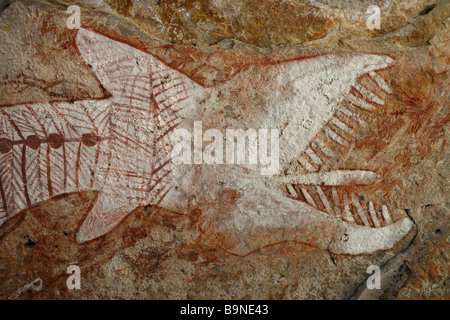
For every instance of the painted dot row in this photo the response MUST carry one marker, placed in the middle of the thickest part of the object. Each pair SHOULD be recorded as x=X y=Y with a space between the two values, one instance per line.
x=55 y=141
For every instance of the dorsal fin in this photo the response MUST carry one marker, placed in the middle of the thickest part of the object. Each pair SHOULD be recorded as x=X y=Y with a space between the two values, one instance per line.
x=117 y=65
x=135 y=79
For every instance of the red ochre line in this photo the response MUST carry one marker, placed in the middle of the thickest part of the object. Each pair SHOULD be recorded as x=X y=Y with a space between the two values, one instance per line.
x=33 y=113
x=167 y=132
x=169 y=88
x=94 y=169
x=49 y=173
x=157 y=194
x=162 y=197
x=77 y=167
x=310 y=160
x=171 y=96
x=2 y=192
x=24 y=174
x=160 y=167
x=151 y=187
x=319 y=153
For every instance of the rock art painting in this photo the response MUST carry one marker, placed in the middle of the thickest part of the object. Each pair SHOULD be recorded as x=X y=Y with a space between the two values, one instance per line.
x=120 y=147
x=184 y=167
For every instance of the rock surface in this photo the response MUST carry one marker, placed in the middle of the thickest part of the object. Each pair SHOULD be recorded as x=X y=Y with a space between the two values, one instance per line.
x=363 y=120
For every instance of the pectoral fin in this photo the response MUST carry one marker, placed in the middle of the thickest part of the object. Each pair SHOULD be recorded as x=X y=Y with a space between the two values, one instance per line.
x=104 y=216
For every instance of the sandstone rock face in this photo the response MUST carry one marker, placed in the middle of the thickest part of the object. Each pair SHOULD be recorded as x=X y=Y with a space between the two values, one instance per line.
x=118 y=151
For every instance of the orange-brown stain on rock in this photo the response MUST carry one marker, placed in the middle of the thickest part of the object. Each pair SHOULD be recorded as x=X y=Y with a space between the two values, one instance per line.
x=266 y=24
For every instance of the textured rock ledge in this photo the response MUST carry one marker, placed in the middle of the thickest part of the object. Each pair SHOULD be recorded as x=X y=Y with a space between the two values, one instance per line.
x=157 y=253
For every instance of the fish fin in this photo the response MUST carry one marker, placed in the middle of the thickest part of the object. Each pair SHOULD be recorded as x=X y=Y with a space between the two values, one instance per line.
x=117 y=65
x=104 y=216
x=136 y=78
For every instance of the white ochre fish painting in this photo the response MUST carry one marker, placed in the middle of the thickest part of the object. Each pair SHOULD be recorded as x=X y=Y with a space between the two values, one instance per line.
x=120 y=146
